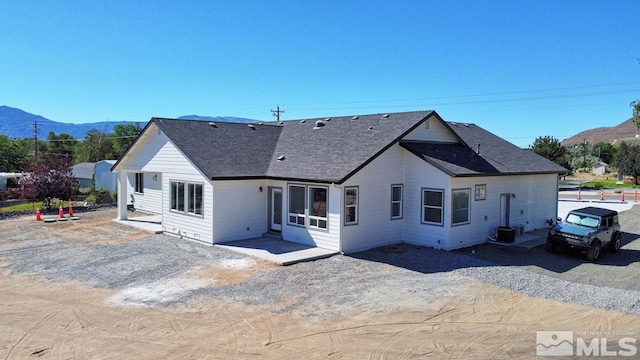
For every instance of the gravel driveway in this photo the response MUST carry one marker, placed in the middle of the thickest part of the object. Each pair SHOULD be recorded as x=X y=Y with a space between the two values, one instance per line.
x=378 y=278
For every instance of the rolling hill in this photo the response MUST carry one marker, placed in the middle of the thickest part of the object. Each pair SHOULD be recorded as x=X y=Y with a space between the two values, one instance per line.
x=626 y=131
x=17 y=123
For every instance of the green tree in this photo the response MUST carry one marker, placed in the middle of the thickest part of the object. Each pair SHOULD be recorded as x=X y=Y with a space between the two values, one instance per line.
x=96 y=146
x=50 y=178
x=14 y=157
x=61 y=145
x=628 y=161
x=635 y=106
x=551 y=148
x=123 y=136
x=604 y=151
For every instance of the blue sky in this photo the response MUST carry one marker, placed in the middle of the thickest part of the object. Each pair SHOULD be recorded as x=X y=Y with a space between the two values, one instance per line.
x=520 y=69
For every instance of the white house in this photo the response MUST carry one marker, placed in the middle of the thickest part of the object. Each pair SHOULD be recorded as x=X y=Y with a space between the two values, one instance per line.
x=343 y=183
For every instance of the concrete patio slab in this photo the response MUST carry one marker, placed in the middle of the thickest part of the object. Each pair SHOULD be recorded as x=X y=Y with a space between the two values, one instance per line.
x=150 y=223
x=277 y=250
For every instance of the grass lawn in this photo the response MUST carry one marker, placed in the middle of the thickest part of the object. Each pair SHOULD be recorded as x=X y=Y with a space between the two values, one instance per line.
x=607 y=184
x=21 y=207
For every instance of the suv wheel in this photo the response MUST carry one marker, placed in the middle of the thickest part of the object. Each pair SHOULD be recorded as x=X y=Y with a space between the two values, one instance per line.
x=614 y=245
x=551 y=247
x=594 y=251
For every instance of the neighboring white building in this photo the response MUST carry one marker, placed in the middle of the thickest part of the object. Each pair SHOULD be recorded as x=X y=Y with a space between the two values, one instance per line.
x=4 y=176
x=600 y=168
x=85 y=172
x=345 y=183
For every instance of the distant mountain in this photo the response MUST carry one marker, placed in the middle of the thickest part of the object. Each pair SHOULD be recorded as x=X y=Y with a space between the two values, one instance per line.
x=16 y=123
x=625 y=131
x=217 y=118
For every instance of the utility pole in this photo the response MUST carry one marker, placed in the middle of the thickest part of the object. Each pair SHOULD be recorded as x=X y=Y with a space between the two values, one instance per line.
x=584 y=149
x=277 y=113
x=35 y=139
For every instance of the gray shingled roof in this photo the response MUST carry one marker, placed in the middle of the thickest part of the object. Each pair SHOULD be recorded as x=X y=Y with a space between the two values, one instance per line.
x=226 y=150
x=330 y=153
x=485 y=155
x=83 y=170
x=299 y=150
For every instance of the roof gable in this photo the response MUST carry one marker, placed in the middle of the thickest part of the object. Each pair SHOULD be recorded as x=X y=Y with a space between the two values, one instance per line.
x=335 y=151
x=223 y=150
x=485 y=154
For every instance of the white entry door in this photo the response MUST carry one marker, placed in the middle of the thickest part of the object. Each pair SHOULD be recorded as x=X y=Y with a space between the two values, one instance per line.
x=276 y=209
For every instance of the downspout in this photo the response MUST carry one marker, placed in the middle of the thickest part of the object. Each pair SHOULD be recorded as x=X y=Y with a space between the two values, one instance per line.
x=333 y=185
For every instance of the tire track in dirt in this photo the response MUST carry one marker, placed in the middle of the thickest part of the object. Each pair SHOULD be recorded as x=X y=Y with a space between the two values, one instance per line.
x=31 y=331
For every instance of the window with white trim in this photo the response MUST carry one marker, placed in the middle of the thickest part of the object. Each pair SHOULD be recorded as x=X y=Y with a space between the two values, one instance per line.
x=396 y=201
x=194 y=199
x=460 y=206
x=308 y=206
x=432 y=206
x=186 y=197
x=318 y=210
x=297 y=204
x=350 y=205
x=138 y=184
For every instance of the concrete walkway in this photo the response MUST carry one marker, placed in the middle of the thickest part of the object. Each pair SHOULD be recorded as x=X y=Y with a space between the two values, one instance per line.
x=150 y=223
x=277 y=250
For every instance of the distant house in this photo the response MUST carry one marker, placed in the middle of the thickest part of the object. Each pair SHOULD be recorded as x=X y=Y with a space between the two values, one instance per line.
x=83 y=173
x=600 y=168
x=341 y=183
x=101 y=170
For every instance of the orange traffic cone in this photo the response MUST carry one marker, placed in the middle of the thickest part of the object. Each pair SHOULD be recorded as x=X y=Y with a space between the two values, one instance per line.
x=61 y=212
x=70 y=209
x=38 y=217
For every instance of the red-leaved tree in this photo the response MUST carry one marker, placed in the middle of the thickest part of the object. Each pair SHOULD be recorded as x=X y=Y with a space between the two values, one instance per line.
x=51 y=178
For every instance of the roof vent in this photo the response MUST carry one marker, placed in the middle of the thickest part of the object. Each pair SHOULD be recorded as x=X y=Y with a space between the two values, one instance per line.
x=454 y=124
x=303 y=121
x=327 y=119
x=319 y=124
x=370 y=128
x=385 y=116
x=354 y=118
x=281 y=158
x=213 y=124
x=251 y=126
x=466 y=125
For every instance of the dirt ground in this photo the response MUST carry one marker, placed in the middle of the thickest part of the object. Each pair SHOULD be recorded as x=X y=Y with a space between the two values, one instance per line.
x=46 y=319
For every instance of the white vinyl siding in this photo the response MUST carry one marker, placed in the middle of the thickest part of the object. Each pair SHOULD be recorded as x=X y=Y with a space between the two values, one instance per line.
x=162 y=162
x=375 y=226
